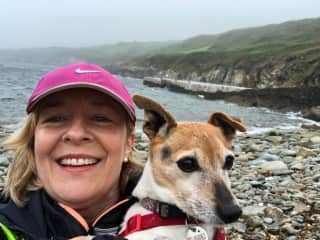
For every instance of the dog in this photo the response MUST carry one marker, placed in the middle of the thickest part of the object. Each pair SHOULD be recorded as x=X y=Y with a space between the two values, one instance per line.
x=184 y=191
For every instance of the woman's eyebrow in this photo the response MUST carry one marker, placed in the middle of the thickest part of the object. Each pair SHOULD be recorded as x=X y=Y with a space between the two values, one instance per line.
x=51 y=104
x=101 y=103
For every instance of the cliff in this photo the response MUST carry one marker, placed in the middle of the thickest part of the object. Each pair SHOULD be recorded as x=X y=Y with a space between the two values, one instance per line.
x=279 y=55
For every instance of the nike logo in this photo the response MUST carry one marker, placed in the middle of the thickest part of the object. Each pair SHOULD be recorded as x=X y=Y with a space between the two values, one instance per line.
x=78 y=70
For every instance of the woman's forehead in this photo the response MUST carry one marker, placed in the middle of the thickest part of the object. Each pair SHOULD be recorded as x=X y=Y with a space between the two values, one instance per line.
x=78 y=96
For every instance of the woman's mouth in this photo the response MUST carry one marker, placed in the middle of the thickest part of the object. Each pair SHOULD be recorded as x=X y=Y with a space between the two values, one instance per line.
x=77 y=162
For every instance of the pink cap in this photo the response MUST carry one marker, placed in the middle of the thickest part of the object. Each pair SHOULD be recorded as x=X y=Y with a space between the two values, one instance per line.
x=86 y=76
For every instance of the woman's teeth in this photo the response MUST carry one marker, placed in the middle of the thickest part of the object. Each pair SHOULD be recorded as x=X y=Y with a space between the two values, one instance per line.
x=78 y=161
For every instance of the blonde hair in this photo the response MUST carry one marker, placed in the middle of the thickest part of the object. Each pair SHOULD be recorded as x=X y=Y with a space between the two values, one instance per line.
x=21 y=176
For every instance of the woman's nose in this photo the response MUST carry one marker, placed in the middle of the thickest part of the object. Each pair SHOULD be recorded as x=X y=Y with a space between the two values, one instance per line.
x=77 y=132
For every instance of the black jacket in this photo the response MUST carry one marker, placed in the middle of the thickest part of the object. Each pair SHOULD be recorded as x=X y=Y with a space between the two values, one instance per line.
x=44 y=219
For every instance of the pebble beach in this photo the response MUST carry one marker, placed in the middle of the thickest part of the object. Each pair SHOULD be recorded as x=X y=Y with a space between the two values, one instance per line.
x=276 y=178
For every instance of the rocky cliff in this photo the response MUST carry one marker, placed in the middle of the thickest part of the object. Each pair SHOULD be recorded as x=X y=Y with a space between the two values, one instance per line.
x=296 y=69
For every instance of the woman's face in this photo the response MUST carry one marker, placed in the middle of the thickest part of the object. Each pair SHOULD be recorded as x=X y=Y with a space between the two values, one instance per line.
x=81 y=140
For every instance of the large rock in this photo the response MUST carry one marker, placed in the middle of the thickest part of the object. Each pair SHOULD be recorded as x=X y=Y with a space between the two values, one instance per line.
x=274 y=167
x=313 y=113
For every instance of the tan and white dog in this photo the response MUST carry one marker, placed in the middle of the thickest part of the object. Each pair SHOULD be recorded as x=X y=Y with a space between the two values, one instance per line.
x=184 y=185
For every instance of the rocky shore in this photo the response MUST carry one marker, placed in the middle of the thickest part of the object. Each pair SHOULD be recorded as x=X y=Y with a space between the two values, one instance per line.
x=297 y=99
x=276 y=179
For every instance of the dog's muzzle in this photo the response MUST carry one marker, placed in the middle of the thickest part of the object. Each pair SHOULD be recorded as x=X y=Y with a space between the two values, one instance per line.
x=229 y=213
x=227 y=210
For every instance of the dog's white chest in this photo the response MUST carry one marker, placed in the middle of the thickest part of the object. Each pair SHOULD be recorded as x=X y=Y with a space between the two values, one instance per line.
x=196 y=233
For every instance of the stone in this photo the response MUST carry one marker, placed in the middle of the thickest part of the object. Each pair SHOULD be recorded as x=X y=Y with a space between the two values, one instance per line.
x=239 y=227
x=289 y=229
x=253 y=210
x=275 y=213
x=269 y=157
x=274 y=167
x=298 y=166
x=305 y=152
x=254 y=221
x=300 y=207
x=268 y=220
x=315 y=140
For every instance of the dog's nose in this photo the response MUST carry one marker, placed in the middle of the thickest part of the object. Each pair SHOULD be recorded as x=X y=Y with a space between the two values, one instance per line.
x=229 y=212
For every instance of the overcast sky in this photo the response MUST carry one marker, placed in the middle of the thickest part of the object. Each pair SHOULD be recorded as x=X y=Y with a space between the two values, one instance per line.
x=43 y=23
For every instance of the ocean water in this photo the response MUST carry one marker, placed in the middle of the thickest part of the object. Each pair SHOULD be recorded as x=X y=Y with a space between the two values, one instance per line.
x=17 y=81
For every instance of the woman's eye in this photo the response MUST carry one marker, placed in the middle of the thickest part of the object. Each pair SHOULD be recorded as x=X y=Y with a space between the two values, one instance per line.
x=188 y=164
x=100 y=118
x=228 y=162
x=55 y=119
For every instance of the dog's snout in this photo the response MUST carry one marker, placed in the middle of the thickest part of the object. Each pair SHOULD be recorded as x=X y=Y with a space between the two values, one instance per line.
x=227 y=210
x=229 y=213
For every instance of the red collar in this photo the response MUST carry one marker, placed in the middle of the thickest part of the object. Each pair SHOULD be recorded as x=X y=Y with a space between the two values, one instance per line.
x=138 y=223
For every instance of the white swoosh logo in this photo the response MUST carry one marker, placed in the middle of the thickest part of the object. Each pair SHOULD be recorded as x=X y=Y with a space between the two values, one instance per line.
x=78 y=70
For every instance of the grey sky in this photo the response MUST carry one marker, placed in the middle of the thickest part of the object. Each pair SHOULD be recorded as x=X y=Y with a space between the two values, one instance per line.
x=42 y=23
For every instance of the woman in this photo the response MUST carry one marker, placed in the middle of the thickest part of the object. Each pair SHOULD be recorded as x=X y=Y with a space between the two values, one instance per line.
x=72 y=170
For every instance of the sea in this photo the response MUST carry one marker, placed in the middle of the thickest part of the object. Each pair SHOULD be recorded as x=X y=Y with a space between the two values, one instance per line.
x=17 y=80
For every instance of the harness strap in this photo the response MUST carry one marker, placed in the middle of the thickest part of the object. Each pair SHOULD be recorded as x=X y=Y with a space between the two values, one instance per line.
x=139 y=223
x=142 y=222
x=9 y=234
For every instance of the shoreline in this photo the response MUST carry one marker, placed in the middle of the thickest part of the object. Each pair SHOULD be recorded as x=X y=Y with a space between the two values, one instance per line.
x=305 y=100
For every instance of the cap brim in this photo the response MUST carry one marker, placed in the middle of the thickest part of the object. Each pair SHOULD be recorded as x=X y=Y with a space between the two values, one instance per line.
x=106 y=91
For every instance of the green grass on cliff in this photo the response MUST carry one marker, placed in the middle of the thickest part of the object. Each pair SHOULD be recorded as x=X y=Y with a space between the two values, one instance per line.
x=244 y=48
x=285 y=34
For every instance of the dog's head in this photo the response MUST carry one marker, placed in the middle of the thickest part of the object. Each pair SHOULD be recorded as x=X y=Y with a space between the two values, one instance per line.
x=192 y=159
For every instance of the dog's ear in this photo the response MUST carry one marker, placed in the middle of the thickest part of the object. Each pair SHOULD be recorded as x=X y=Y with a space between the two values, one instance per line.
x=228 y=124
x=156 y=119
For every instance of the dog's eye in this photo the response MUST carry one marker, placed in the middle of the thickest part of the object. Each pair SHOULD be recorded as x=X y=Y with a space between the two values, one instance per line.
x=228 y=162
x=188 y=164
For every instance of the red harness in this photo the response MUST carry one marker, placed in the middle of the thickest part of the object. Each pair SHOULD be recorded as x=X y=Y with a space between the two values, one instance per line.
x=139 y=223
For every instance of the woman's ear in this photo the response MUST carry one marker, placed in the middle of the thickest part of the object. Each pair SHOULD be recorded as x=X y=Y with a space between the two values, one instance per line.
x=129 y=147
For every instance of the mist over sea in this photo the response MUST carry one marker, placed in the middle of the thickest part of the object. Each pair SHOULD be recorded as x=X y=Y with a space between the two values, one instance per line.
x=17 y=81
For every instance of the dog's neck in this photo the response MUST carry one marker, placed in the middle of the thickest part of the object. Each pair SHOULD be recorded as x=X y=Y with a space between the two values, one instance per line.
x=147 y=187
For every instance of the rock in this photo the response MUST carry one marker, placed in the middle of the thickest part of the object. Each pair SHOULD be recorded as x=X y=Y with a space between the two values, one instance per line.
x=300 y=207
x=242 y=158
x=4 y=160
x=298 y=166
x=253 y=210
x=289 y=152
x=314 y=127
x=275 y=213
x=313 y=113
x=268 y=220
x=254 y=221
x=273 y=228
x=315 y=140
x=239 y=227
x=289 y=229
x=274 y=167
x=292 y=238
x=269 y=157
x=316 y=177
x=305 y=152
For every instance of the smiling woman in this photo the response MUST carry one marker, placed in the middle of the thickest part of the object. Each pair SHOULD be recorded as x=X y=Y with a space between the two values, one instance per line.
x=72 y=172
